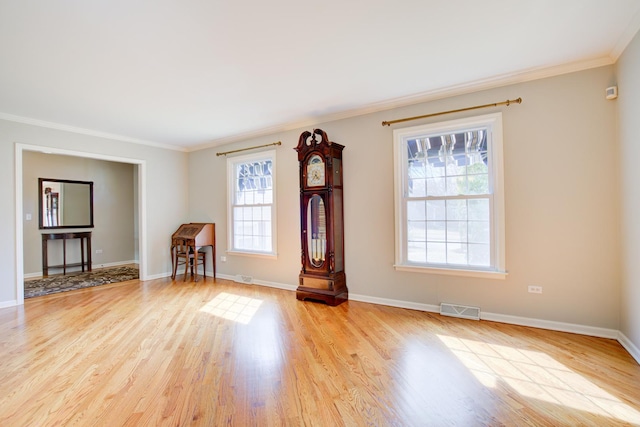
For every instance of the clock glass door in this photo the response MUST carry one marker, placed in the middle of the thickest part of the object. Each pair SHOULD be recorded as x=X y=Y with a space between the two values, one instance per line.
x=316 y=231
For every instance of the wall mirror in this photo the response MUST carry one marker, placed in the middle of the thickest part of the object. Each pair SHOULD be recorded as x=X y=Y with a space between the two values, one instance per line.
x=65 y=204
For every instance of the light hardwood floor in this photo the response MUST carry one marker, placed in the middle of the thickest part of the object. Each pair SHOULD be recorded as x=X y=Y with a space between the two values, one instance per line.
x=220 y=353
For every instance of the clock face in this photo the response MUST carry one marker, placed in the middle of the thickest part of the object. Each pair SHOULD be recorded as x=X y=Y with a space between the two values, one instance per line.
x=315 y=171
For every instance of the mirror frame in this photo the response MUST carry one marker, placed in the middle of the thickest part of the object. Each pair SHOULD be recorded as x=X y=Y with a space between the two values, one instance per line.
x=67 y=181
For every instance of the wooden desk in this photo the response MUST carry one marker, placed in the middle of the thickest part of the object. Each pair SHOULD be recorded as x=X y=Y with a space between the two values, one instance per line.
x=84 y=236
x=195 y=235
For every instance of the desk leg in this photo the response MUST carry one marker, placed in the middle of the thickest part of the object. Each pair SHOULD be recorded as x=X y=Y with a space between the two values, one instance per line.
x=82 y=253
x=89 y=253
x=45 y=259
x=204 y=264
x=173 y=262
x=194 y=267
x=64 y=256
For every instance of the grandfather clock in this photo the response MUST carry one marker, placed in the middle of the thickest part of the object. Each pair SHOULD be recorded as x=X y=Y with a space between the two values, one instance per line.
x=322 y=276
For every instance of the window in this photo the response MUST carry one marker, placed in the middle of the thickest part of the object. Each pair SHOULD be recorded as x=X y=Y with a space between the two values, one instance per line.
x=252 y=208
x=449 y=197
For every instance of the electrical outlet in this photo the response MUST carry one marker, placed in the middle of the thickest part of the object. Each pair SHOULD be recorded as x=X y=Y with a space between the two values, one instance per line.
x=223 y=258
x=28 y=217
x=535 y=289
x=98 y=251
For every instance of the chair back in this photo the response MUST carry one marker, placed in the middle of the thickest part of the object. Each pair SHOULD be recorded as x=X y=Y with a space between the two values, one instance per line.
x=181 y=246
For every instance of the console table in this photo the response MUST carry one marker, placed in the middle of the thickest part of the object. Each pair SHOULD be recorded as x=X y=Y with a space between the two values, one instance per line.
x=85 y=245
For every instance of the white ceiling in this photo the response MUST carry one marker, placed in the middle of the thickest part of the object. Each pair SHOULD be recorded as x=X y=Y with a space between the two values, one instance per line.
x=196 y=73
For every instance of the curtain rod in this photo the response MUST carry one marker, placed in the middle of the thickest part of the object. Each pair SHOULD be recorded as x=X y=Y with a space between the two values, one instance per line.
x=248 y=148
x=507 y=103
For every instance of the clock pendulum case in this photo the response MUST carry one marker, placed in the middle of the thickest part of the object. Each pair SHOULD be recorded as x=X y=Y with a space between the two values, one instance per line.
x=322 y=275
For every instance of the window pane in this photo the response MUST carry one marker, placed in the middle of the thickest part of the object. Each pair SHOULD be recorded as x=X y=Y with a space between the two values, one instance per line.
x=436 y=231
x=479 y=209
x=248 y=197
x=416 y=210
x=256 y=212
x=256 y=228
x=437 y=253
x=478 y=184
x=456 y=185
x=436 y=187
x=238 y=213
x=479 y=255
x=479 y=232
x=456 y=231
x=477 y=163
x=456 y=253
x=416 y=169
x=416 y=252
x=266 y=213
x=435 y=168
x=417 y=187
x=237 y=227
x=417 y=231
x=258 y=197
x=246 y=228
x=457 y=165
x=456 y=210
x=436 y=210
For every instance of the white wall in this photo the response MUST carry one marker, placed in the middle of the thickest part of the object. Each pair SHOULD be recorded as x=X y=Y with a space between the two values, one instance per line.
x=166 y=201
x=113 y=201
x=562 y=205
x=628 y=70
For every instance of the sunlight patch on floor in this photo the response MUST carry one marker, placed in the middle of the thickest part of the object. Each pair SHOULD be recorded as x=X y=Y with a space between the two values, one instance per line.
x=232 y=307
x=539 y=376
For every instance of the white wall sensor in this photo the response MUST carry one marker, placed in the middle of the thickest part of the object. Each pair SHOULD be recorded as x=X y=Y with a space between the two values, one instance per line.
x=612 y=92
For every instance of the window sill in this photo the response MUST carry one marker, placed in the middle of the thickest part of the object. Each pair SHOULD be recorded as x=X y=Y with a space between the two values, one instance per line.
x=484 y=274
x=254 y=254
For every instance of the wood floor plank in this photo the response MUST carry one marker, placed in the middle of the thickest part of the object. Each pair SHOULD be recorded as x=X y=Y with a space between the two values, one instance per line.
x=220 y=353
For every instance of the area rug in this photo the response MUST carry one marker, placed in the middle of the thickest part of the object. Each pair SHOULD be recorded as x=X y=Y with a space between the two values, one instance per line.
x=70 y=282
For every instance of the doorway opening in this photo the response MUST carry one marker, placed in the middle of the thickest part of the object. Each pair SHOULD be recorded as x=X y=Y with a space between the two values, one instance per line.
x=139 y=206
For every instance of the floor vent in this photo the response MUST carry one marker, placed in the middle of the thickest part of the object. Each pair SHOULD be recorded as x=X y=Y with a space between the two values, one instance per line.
x=462 y=311
x=244 y=279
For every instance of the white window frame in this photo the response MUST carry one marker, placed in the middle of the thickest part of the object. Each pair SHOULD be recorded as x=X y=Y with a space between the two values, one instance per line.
x=496 y=188
x=231 y=193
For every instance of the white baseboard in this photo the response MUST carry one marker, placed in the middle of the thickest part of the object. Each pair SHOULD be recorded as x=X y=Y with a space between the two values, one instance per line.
x=157 y=276
x=32 y=275
x=276 y=285
x=395 y=303
x=113 y=264
x=551 y=325
x=502 y=318
x=10 y=303
x=629 y=346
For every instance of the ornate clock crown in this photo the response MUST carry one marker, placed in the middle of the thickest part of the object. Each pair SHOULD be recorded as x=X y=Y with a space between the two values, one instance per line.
x=310 y=139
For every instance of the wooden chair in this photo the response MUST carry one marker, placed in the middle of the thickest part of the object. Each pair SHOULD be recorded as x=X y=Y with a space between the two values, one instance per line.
x=183 y=254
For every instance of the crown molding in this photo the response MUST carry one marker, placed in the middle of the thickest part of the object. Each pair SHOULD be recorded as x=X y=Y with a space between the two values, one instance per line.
x=625 y=38
x=89 y=132
x=451 y=91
